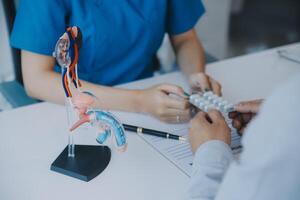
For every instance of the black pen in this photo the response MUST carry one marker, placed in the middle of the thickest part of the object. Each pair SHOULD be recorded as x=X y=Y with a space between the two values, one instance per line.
x=146 y=131
x=187 y=94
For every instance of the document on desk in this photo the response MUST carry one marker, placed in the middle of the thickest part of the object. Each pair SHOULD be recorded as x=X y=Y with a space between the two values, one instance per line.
x=177 y=152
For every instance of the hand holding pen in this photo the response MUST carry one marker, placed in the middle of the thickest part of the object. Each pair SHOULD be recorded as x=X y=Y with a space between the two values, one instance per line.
x=159 y=101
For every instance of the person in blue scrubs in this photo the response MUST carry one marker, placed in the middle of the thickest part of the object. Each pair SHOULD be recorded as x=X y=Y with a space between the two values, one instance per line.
x=120 y=38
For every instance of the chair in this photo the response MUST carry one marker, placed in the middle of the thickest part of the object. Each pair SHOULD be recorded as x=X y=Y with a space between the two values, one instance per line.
x=13 y=91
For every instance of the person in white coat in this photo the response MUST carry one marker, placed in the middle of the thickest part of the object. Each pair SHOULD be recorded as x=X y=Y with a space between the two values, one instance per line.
x=268 y=167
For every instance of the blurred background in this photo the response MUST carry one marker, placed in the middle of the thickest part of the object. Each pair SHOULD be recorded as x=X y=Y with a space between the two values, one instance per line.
x=232 y=28
x=228 y=29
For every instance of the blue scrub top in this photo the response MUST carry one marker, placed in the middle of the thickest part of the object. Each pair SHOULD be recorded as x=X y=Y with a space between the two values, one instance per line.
x=120 y=37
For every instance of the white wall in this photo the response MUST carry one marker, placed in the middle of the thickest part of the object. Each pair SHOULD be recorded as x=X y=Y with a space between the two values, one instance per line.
x=6 y=61
x=213 y=27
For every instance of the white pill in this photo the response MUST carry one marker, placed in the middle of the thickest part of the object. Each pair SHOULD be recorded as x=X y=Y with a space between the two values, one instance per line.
x=199 y=100
x=215 y=96
x=229 y=108
x=210 y=98
x=225 y=102
x=216 y=101
x=200 y=105
x=207 y=108
x=210 y=93
x=220 y=104
x=194 y=96
x=207 y=94
x=206 y=102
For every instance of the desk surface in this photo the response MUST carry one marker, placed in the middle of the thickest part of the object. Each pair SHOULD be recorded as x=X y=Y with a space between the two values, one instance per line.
x=33 y=136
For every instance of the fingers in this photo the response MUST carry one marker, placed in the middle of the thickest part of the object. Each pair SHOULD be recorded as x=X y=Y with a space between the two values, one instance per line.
x=233 y=114
x=172 y=115
x=204 y=82
x=212 y=116
x=200 y=118
x=215 y=116
x=244 y=107
x=237 y=124
x=242 y=130
x=201 y=131
x=248 y=106
x=246 y=118
x=215 y=86
x=168 y=88
x=174 y=112
x=168 y=103
x=237 y=119
x=177 y=103
x=176 y=119
x=200 y=81
x=241 y=120
x=243 y=117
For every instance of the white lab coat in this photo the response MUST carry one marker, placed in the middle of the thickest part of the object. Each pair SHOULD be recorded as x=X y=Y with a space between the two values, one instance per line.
x=269 y=166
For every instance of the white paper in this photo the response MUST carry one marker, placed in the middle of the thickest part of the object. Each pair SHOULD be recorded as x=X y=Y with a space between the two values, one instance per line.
x=178 y=152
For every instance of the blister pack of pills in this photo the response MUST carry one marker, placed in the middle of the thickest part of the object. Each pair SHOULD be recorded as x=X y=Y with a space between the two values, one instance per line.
x=208 y=100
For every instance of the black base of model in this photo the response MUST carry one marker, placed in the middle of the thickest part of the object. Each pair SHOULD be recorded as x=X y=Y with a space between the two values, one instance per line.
x=89 y=161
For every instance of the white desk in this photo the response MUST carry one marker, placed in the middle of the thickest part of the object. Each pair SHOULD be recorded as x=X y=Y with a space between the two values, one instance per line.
x=33 y=136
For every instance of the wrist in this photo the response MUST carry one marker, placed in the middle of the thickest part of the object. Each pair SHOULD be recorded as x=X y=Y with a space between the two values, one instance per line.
x=139 y=101
x=191 y=76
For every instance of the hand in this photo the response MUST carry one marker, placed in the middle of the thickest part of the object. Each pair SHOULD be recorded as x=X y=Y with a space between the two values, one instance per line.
x=159 y=102
x=208 y=126
x=244 y=113
x=203 y=82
